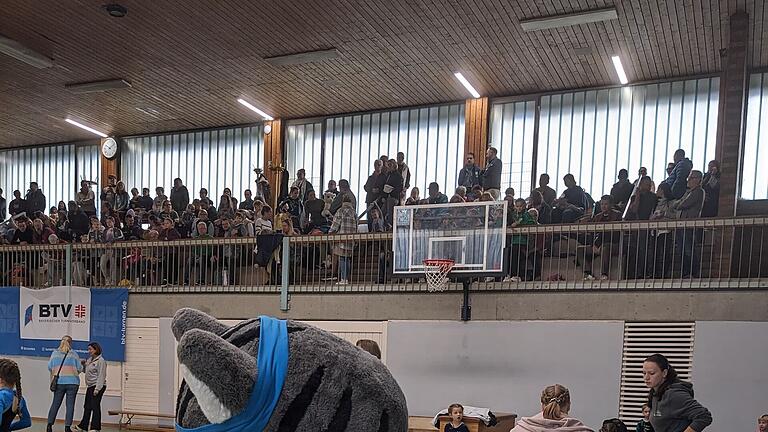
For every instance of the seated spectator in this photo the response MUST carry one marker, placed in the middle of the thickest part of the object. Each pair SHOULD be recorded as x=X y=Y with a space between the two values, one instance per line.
x=331 y=188
x=40 y=232
x=131 y=230
x=293 y=205
x=227 y=205
x=692 y=201
x=122 y=200
x=604 y=244
x=544 y=210
x=160 y=198
x=475 y=194
x=435 y=196
x=86 y=199
x=263 y=225
x=456 y=412
x=643 y=201
x=203 y=256
x=204 y=197
x=572 y=204
x=369 y=346
x=62 y=208
x=186 y=221
x=169 y=232
x=486 y=196
x=79 y=223
x=547 y=193
x=168 y=212
x=711 y=186
x=414 y=198
x=145 y=202
x=670 y=168
x=642 y=172
x=613 y=425
x=377 y=223
x=555 y=406
x=622 y=190
x=518 y=244
x=212 y=213
x=135 y=202
x=23 y=233
x=247 y=203
x=461 y=191
x=678 y=178
x=287 y=228
x=302 y=184
x=686 y=239
x=456 y=199
x=202 y=216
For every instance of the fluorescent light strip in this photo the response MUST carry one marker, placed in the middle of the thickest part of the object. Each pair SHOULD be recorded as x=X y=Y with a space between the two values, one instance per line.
x=82 y=126
x=467 y=85
x=302 y=58
x=571 y=19
x=256 y=110
x=97 y=86
x=20 y=52
x=619 y=69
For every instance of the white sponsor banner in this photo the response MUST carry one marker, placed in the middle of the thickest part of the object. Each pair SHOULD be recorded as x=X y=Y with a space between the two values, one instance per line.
x=54 y=312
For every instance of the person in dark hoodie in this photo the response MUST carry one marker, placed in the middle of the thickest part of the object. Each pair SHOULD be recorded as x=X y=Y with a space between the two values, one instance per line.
x=17 y=204
x=678 y=179
x=79 y=223
x=179 y=196
x=673 y=408
x=35 y=199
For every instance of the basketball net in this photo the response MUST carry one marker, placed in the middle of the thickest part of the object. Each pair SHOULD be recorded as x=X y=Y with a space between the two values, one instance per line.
x=436 y=272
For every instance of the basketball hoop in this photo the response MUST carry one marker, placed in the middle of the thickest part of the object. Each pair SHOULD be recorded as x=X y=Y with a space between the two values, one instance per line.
x=436 y=272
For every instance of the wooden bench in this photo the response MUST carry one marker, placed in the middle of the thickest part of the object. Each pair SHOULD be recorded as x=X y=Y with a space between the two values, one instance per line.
x=126 y=416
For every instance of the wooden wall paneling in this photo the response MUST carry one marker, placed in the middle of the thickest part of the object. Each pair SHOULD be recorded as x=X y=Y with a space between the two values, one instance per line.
x=476 y=115
x=274 y=157
x=108 y=166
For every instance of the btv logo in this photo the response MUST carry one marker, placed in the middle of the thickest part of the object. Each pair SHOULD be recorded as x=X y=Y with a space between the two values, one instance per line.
x=28 y=315
x=60 y=310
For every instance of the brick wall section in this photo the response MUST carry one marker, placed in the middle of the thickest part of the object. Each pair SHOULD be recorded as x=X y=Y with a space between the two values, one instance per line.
x=730 y=131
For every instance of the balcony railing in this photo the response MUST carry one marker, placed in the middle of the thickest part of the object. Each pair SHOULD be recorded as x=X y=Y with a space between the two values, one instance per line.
x=729 y=253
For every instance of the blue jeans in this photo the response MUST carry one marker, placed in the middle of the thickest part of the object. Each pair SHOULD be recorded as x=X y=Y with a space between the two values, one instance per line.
x=69 y=390
x=345 y=266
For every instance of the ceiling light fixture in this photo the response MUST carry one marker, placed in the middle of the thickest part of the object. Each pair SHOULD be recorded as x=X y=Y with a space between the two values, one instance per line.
x=303 y=57
x=116 y=10
x=565 y=20
x=619 y=69
x=89 y=129
x=98 y=86
x=20 y=52
x=467 y=85
x=256 y=110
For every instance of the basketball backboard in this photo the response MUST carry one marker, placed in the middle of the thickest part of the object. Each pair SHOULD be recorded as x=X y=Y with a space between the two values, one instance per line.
x=472 y=234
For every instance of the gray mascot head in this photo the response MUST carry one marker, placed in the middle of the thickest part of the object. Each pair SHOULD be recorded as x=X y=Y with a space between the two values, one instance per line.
x=273 y=375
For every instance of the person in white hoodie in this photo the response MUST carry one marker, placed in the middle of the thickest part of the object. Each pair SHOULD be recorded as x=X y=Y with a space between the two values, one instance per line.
x=96 y=380
x=555 y=405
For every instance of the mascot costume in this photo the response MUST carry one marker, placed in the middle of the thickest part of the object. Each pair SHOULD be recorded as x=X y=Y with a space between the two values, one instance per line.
x=270 y=375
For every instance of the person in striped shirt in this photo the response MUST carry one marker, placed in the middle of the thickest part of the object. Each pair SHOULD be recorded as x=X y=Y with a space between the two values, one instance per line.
x=65 y=363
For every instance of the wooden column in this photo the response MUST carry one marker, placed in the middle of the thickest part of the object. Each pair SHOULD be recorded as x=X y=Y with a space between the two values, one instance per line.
x=730 y=138
x=273 y=156
x=108 y=167
x=476 y=113
x=730 y=128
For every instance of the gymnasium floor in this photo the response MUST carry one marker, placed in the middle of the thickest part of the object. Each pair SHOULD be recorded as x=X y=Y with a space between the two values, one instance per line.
x=39 y=426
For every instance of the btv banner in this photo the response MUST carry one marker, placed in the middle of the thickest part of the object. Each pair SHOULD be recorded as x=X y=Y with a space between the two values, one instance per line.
x=32 y=322
x=50 y=313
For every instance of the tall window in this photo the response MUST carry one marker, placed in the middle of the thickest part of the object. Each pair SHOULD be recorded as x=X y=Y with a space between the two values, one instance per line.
x=432 y=139
x=303 y=149
x=213 y=159
x=57 y=170
x=593 y=134
x=753 y=184
x=512 y=126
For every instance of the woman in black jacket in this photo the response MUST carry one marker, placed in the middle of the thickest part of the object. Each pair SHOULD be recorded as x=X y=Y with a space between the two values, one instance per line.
x=673 y=408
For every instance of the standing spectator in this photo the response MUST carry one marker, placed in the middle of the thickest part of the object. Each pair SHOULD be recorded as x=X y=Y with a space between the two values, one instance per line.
x=543 y=209
x=376 y=222
x=344 y=190
x=313 y=214
x=605 y=244
x=86 y=199
x=490 y=177
x=109 y=262
x=690 y=206
x=435 y=196
x=170 y=263
x=160 y=198
x=344 y=222
x=107 y=195
x=643 y=172
x=622 y=190
x=392 y=189
x=17 y=204
x=332 y=188
x=373 y=188
x=302 y=184
x=643 y=202
x=518 y=248
x=145 y=201
x=509 y=197
x=247 y=203
x=95 y=369
x=3 y=207
x=135 y=202
x=469 y=176
x=64 y=364
x=673 y=407
x=547 y=193
x=711 y=186
x=414 y=198
x=227 y=205
x=179 y=196
x=35 y=200
x=405 y=172
x=293 y=205
x=204 y=196
x=122 y=200
x=263 y=225
x=678 y=178
x=203 y=256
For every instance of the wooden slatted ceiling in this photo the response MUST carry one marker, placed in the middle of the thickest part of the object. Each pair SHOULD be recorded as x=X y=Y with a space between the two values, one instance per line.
x=190 y=60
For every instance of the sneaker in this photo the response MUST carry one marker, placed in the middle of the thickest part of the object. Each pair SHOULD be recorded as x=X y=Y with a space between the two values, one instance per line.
x=589 y=277
x=489 y=279
x=342 y=282
x=516 y=279
x=78 y=429
x=507 y=279
x=329 y=279
x=49 y=428
x=604 y=277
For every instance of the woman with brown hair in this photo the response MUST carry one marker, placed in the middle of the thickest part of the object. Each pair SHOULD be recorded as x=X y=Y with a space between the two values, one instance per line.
x=12 y=403
x=555 y=406
x=673 y=408
x=96 y=381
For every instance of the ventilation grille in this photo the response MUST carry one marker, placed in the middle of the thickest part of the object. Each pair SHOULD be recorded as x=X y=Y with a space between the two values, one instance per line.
x=673 y=340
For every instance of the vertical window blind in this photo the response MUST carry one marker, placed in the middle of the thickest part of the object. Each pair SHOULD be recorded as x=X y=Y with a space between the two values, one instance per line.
x=753 y=184
x=512 y=126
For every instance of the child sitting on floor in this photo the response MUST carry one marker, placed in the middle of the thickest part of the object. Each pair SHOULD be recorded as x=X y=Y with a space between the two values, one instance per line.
x=456 y=411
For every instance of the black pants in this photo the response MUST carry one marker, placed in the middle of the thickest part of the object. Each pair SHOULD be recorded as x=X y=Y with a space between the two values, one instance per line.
x=92 y=410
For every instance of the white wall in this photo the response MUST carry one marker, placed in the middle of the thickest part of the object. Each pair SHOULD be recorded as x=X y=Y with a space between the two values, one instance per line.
x=730 y=372
x=505 y=365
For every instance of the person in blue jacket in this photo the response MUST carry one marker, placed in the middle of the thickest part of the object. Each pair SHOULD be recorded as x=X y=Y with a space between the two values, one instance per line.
x=12 y=404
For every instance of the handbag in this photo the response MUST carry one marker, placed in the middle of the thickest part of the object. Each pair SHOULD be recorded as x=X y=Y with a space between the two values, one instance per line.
x=55 y=379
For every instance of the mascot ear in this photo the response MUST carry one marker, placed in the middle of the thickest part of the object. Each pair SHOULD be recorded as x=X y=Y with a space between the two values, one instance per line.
x=187 y=319
x=219 y=374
